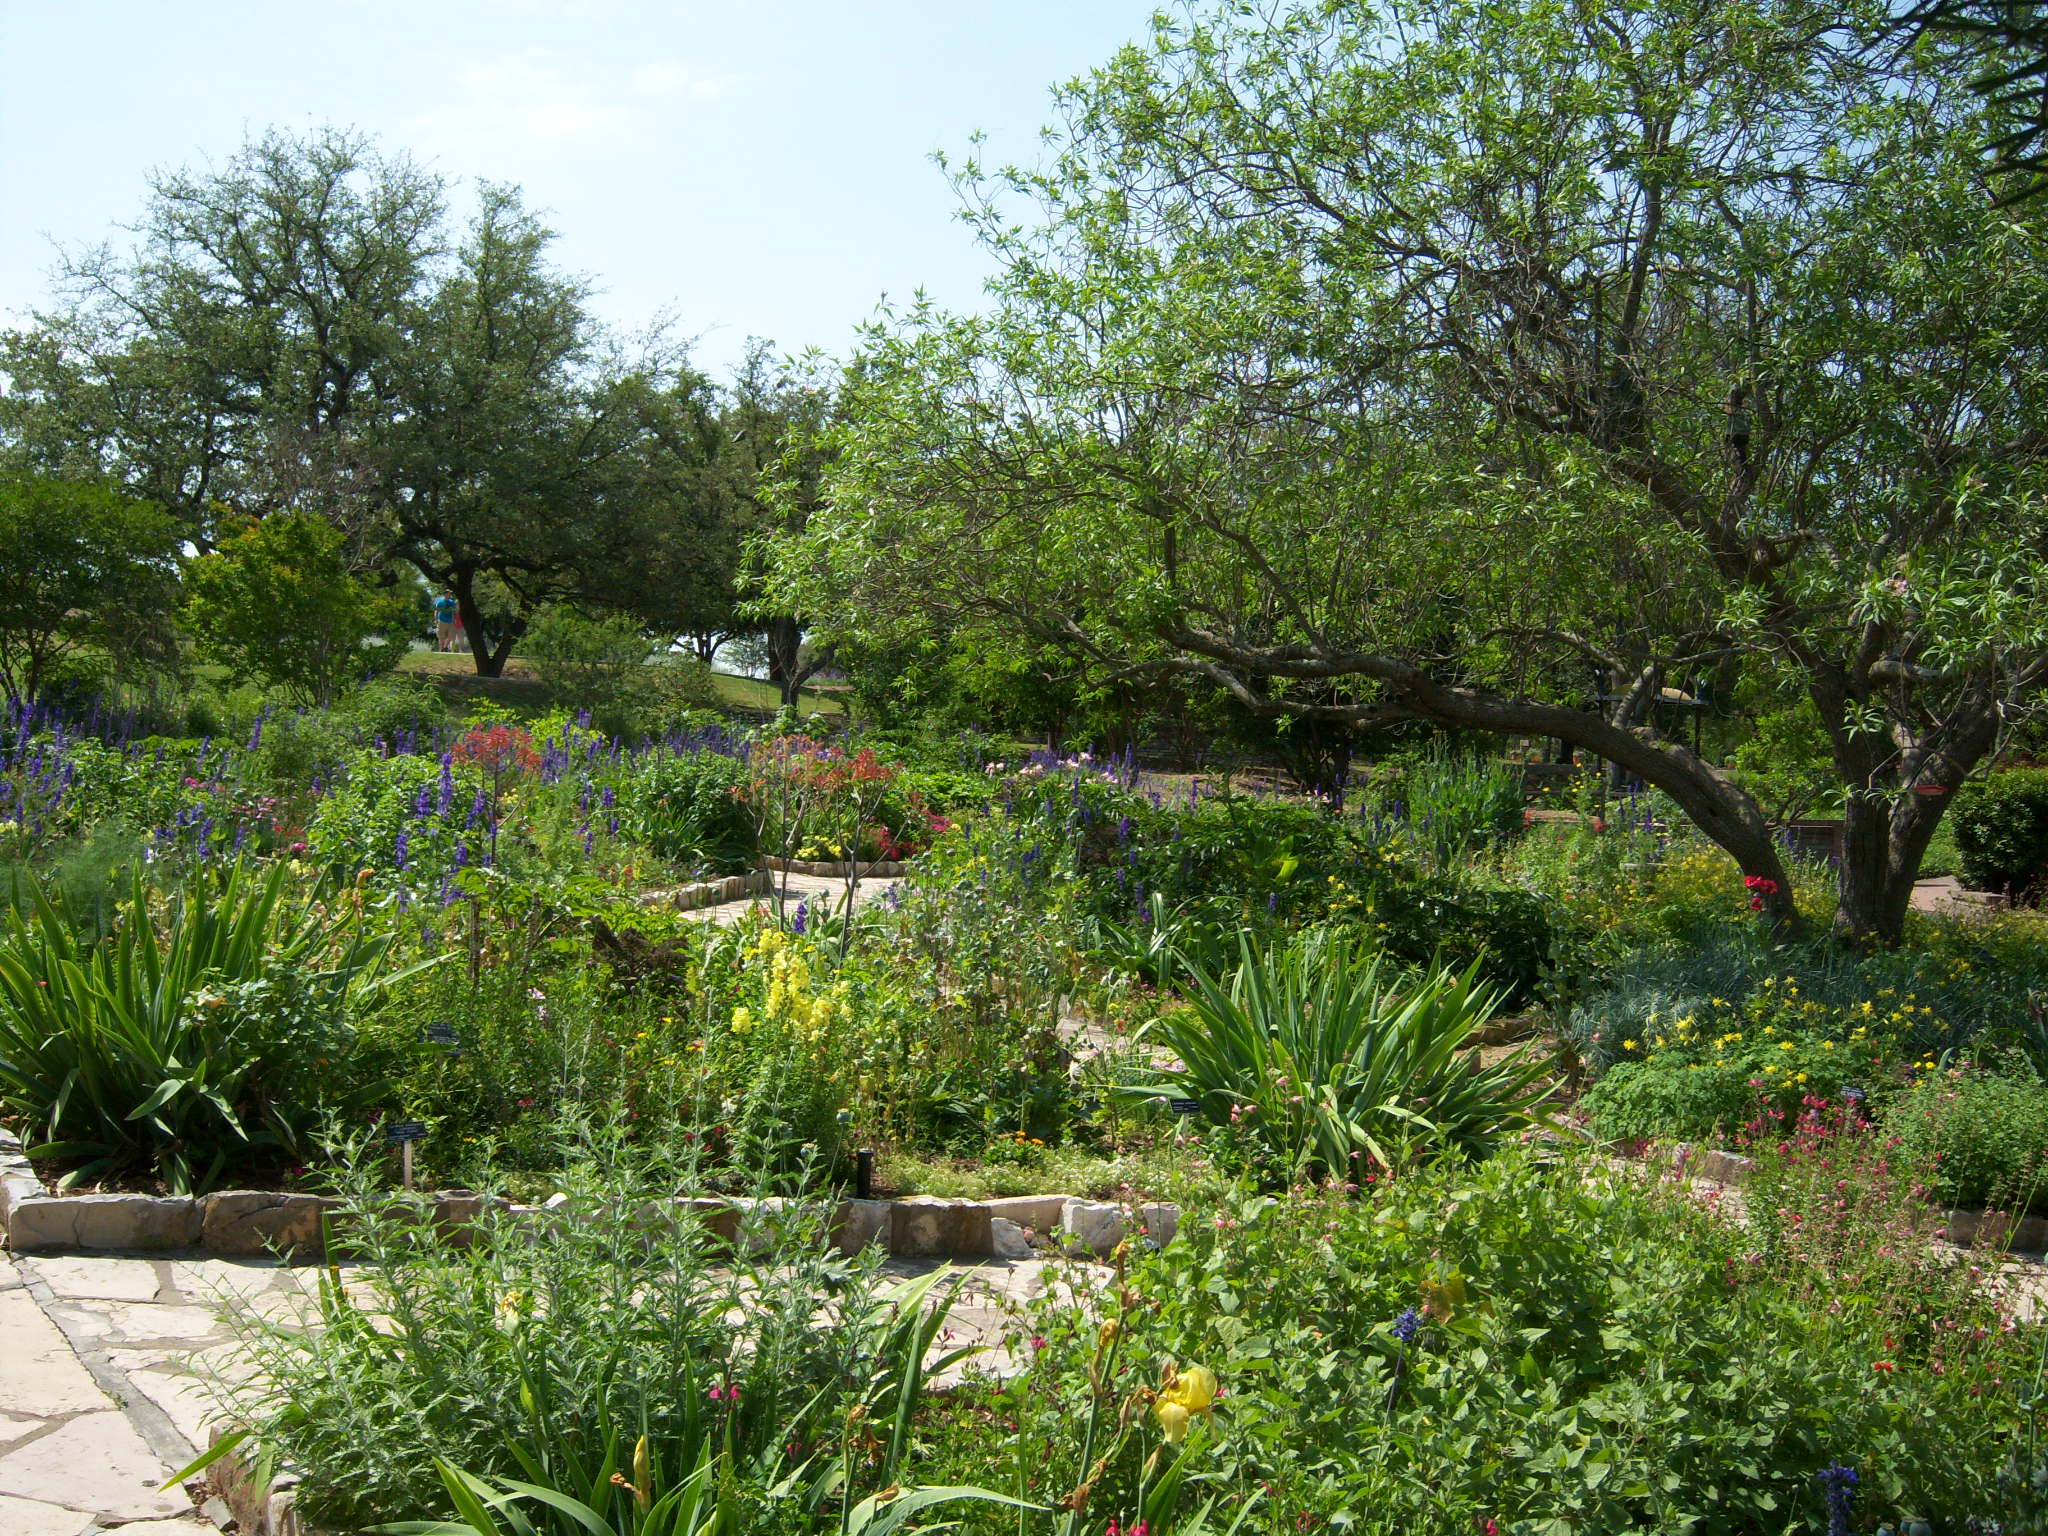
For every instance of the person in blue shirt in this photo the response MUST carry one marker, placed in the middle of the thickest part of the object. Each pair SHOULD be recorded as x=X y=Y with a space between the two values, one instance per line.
x=444 y=622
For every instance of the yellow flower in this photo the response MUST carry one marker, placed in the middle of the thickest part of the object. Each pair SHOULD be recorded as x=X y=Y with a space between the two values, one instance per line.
x=742 y=1020
x=1188 y=1393
x=1628 y=1045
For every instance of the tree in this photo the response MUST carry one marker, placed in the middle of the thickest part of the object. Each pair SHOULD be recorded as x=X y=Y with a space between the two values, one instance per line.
x=1414 y=362
x=249 y=326
x=277 y=602
x=302 y=331
x=530 y=459
x=775 y=425
x=81 y=568
x=2012 y=36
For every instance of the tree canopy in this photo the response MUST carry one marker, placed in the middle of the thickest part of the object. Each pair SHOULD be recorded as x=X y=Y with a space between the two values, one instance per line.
x=275 y=601
x=82 y=568
x=1485 y=365
x=305 y=330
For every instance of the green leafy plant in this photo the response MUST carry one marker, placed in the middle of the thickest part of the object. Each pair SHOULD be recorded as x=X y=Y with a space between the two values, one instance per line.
x=616 y=1369
x=688 y=809
x=1321 y=1056
x=182 y=1044
x=277 y=600
x=1982 y=1136
x=2001 y=827
x=1545 y=1342
x=1459 y=805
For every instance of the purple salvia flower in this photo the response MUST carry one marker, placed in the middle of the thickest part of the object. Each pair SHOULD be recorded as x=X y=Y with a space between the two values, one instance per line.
x=1840 y=1483
x=400 y=849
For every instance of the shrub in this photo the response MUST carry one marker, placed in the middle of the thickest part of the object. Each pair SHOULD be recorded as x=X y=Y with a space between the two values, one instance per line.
x=1516 y=1348
x=407 y=711
x=1318 y=1058
x=689 y=810
x=584 y=660
x=187 y=1050
x=1660 y=1099
x=2001 y=824
x=616 y=1337
x=1982 y=1136
x=276 y=600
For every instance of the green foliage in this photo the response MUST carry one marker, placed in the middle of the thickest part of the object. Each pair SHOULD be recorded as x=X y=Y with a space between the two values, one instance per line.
x=1786 y=765
x=689 y=810
x=186 y=1046
x=616 y=1337
x=2001 y=826
x=1456 y=806
x=588 y=663
x=82 y=566
x=1981 y=1136
x=277 y=602
x=1595 y=1350
x=1670 y=1099
x=1319 y=1060
x=1961 y=985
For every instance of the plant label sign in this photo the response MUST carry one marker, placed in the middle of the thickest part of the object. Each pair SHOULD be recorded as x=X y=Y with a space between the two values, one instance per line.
x=399 y=1131
x=1185 y=1106
x=442 y=1034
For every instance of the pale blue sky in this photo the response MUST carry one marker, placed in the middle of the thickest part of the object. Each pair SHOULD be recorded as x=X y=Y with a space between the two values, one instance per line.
x=758 y=169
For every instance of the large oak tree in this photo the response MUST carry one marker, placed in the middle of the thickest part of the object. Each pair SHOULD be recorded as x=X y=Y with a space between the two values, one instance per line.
x=306 y=329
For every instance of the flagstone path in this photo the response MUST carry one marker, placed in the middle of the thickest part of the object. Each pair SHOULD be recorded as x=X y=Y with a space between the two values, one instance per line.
x=82 y=1447
x=817 y=891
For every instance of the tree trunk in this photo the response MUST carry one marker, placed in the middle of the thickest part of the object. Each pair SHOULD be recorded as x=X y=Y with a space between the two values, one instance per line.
x=785 y=650
x=1898 y=789
x=1877 y=874
x=489 y=658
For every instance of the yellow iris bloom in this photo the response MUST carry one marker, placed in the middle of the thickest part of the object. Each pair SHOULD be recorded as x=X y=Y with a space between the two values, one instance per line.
x=1188 y=1393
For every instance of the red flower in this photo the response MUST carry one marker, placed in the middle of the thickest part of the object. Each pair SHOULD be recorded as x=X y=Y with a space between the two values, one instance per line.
x=497 y=748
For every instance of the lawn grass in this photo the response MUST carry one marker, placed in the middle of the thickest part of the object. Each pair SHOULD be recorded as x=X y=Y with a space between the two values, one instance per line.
x=519 y=688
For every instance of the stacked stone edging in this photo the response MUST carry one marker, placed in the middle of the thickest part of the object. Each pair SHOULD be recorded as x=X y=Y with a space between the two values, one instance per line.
x=712 y=893
x=1966 y=1229
x=881 y=869
x=249 y=1222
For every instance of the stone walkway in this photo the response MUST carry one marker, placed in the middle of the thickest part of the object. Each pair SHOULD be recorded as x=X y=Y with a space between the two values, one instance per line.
x=1944 y=895
x=99 y=1360
x=82 y=1443
x=817 y=890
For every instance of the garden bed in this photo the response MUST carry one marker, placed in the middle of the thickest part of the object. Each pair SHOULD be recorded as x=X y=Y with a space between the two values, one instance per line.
x=2001 y=1230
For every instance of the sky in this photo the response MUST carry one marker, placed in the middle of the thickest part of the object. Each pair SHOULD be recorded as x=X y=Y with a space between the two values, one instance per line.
x=758 y=169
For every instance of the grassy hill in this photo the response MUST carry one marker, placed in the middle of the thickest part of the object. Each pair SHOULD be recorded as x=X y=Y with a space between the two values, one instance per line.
x=520 y=687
